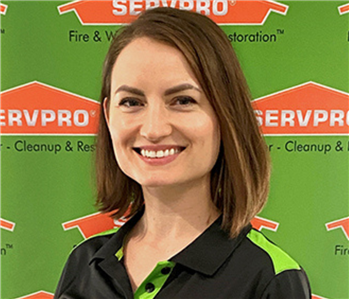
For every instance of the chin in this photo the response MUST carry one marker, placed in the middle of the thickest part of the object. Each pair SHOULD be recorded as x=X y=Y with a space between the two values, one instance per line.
x=156 y=183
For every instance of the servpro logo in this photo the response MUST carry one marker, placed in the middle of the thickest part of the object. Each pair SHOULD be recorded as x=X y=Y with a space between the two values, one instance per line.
x=317 y=297
x=38 y=295
x=224 y=12
x=340 y=223
x=8 y=225
x=94 y=224
x=306 y=109
x=37 y=108
x=3 y=9
x=343 y=9
x=259 y=223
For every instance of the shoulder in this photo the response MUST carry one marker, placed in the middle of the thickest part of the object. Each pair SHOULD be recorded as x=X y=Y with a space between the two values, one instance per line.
x=274 y=255
x=280 y=275
x=80 y=258
x=86 y=249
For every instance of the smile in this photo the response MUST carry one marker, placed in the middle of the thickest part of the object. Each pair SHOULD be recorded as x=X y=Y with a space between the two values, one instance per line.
x=158 y=152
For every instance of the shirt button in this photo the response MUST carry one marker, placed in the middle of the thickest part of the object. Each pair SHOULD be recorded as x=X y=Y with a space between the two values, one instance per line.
x=165 y=270
x=149 y=287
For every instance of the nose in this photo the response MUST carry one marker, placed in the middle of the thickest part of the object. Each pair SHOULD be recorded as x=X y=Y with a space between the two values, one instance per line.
x=156 y=124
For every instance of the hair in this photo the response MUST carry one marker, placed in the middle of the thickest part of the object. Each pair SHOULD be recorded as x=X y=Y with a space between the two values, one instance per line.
x=240 y=177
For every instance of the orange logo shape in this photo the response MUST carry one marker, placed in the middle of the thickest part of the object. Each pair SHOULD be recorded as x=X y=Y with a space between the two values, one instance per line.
x=36 y=108
x=306 y=109
x=94 y=224
x=224 y=12
x=341 y=223
x=38 y=295
x=8 y=225
x=259 y=223
x=3 y=9
x=343 y=9
x=317 y=297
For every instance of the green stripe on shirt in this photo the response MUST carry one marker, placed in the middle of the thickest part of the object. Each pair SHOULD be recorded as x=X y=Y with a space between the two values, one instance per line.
x=281 y=260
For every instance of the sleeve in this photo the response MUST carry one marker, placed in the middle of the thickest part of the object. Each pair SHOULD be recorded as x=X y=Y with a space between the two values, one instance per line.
x=290 y=284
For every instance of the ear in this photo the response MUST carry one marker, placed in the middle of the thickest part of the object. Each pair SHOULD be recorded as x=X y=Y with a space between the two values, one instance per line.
x=106 y=110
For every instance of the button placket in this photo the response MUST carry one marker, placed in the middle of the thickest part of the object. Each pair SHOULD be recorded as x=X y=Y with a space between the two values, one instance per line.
x=155 y=281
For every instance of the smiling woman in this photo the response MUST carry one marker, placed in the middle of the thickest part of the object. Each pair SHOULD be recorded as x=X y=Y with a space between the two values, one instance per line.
x=179 y=145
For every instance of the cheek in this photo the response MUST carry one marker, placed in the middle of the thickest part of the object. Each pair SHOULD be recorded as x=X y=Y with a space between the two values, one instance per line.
x=205 y=135
x=121 y=135
x=209 y=131
x=119 y=128
x=216 y=141
x=213 y=139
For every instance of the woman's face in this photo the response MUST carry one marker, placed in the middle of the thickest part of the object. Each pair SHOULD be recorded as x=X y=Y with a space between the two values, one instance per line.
x=163 y=128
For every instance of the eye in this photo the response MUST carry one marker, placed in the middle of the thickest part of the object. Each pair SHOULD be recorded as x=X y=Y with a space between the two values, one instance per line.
x=184 y=101
x=130 y=102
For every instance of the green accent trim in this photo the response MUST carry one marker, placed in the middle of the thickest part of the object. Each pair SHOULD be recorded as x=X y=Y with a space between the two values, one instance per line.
x=156 y=278
x=281 y=260
x=107 y=232
x=120 y=254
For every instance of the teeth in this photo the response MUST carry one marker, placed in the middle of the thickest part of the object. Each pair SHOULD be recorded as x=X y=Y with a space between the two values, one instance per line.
x=159 y=154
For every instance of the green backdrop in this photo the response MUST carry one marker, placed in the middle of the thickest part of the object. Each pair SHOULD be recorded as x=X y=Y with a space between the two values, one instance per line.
x=41 y=190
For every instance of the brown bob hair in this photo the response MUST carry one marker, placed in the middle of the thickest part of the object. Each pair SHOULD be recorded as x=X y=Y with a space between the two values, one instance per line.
x=240 y=177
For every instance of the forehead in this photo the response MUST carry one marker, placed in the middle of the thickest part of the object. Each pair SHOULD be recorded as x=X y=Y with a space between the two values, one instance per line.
x=145 y=58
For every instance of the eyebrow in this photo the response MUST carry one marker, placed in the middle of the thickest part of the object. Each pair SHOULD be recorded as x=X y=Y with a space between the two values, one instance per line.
x=179 y=88
x=130 y=89
x=169 y=91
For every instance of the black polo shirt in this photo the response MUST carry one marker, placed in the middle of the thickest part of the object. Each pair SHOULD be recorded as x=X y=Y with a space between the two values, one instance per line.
x=213 y=266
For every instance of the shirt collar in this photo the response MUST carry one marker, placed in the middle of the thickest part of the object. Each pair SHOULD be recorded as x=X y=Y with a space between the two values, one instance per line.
x=210 y=250
x=111 y=247
x=206 y=254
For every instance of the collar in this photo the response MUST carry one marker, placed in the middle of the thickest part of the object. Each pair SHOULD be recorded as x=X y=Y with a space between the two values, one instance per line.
x=206 y=254
x=210 y=250
x=111 y=247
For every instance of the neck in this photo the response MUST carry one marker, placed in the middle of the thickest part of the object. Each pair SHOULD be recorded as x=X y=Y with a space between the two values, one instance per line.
x=183 y=211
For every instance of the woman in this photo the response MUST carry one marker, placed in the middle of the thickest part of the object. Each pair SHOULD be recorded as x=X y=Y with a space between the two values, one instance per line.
x=179 y=144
